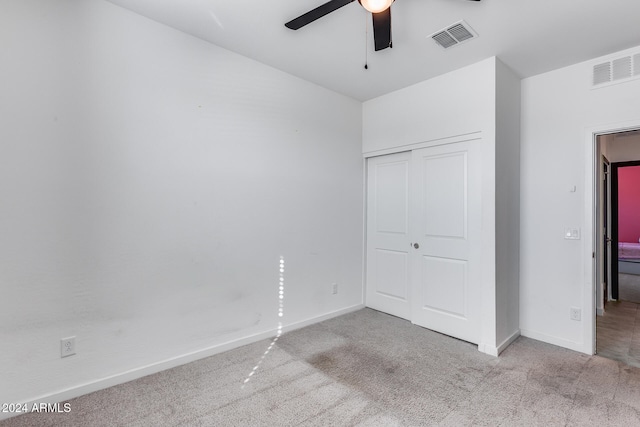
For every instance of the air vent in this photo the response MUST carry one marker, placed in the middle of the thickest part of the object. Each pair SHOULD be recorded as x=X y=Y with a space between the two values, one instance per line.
x=602 y=73
x=622 y=68
x=454 y=35
x=617 y=70
x=444 y=39
x=460 y=32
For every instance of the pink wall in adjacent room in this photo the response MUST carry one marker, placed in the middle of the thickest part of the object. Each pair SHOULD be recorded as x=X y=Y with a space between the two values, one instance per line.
x=629 y=204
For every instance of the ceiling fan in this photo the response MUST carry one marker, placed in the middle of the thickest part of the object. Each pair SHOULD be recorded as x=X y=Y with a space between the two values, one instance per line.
x=380 y=11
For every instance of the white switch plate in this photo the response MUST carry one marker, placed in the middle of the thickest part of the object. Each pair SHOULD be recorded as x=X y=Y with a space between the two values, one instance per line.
x=572 y=233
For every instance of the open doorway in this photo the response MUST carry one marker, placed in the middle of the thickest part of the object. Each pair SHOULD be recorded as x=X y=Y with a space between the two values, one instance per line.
x=618 y=246
x=625 y=202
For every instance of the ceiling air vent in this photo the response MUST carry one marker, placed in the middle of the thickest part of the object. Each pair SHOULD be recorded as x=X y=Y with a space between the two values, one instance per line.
x=444 y=39
x=636 y=64
x=454 y=35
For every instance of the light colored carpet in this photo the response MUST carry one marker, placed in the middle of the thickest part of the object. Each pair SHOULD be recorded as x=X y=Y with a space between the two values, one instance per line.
x=370 y=369
x=629 y=287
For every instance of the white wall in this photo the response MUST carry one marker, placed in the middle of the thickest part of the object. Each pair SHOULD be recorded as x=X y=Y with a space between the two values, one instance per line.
x=149 y=183
x=559 y=109
x=457 y=103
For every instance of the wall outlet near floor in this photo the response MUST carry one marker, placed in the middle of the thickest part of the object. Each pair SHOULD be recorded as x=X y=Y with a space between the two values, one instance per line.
x=575 y=313
x=67 y=346
x=334 y=290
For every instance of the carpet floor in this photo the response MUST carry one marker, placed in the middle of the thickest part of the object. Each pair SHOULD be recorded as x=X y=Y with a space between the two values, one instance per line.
x=369 y=369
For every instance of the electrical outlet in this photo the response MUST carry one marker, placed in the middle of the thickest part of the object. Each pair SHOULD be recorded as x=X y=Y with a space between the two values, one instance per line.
x=575 y=313
x=67 y=346
x=335 y=289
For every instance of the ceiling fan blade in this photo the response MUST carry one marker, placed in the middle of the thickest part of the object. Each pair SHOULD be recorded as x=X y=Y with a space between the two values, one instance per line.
x=382 y=29
x=316 y=13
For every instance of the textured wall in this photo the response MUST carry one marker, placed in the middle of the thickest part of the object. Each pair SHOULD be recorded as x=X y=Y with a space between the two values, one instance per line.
x=149 y=184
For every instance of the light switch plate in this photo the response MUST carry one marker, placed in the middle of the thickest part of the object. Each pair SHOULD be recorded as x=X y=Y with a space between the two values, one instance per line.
x=572 y=233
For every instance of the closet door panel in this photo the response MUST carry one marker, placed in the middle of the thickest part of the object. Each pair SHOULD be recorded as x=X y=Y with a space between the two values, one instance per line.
x=446 y=215
x=388 y=286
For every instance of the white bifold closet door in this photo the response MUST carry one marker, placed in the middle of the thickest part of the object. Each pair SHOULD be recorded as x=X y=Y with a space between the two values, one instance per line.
x=423 y=237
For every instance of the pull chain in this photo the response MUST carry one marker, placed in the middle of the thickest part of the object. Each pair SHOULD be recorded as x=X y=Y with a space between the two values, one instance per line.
x=366 y=42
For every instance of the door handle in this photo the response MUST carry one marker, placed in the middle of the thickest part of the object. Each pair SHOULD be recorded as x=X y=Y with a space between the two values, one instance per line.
x=415 y=245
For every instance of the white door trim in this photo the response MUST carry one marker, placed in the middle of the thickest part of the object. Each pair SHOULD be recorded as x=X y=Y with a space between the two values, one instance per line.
x=425 y=144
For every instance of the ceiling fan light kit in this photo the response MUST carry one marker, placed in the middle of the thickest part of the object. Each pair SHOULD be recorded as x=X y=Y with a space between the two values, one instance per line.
x=376 y=6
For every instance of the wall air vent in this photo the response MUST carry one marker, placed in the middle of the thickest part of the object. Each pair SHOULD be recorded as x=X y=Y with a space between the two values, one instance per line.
x=454 y=35
x=602 y=73
x=616 y=70
x=622 y=68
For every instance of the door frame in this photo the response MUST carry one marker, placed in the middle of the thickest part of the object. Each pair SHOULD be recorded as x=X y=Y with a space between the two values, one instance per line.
x=604 y=258
x=591 y=253
x=614 y=223
x=614 y=232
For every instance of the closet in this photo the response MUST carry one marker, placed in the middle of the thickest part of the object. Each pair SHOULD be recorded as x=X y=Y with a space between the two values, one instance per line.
x=423 y=237
x=442 y=204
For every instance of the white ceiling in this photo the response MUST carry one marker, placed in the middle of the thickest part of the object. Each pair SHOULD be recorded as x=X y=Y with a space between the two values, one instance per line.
x=530 y=36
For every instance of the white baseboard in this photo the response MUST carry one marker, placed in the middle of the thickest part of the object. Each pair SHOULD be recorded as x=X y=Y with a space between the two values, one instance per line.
x=599 y=311
x=549 y=339
x=133 y=374
x=495 y=351
x=488 y=349
x=507 y=342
